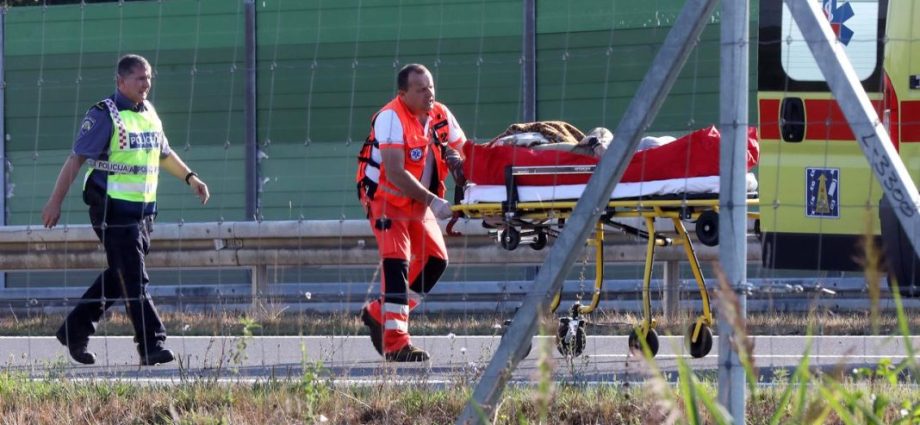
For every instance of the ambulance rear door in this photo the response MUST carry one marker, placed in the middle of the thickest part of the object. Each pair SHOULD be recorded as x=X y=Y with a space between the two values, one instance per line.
x=816 y=189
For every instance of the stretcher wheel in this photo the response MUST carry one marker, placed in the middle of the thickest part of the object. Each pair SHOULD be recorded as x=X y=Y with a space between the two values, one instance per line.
x=570 y=337
x=651 y=338
x=509 y=238
x=703 y=344
x=707 y=228
x=540 y=242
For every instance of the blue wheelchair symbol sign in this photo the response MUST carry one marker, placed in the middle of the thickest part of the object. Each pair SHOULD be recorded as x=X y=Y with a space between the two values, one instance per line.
x=822 y=192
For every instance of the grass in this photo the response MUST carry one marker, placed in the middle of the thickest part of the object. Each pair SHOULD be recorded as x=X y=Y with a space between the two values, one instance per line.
x=314 y=400
x=232 y=323
x=886 y=393
x=876 y=395
x=808 y=396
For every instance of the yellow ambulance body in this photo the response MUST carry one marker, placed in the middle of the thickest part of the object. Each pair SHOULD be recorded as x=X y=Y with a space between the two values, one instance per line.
x=818 y=197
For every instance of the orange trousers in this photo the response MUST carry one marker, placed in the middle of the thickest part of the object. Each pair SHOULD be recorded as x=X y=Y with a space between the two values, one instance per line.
x=413 y=257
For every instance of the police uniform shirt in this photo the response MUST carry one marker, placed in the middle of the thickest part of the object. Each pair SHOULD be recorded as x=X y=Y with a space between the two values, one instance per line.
x=93 y=141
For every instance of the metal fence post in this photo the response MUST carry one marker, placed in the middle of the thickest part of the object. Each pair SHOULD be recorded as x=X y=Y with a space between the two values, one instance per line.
x=250 y=112
x=251 y=150
x=671 y=294
x=3 y=160
x=529 y=62
x=733 y=125
x=259 y=287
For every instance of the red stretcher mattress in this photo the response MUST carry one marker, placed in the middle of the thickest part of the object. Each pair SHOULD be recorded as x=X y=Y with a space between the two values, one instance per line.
x=693 y=155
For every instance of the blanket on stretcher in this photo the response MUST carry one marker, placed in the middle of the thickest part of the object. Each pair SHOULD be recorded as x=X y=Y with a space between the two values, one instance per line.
x=693 y=155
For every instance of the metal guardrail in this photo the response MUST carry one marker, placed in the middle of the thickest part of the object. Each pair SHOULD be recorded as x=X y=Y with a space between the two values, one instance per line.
x=619 y=295
x=306 y=242
x=261 y=245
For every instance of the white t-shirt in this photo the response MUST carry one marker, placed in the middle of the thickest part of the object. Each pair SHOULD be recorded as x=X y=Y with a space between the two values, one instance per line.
x=388 y=131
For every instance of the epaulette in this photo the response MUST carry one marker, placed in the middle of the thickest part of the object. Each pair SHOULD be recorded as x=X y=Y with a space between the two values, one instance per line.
x=100 y=106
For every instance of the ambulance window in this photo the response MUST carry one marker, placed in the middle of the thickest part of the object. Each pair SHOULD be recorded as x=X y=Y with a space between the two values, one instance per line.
x=856 y=24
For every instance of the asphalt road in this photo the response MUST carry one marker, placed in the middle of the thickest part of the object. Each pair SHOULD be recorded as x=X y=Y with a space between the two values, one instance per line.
x=455 y=359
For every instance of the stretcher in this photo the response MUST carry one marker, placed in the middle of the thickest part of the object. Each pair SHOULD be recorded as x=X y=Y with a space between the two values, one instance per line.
x=531 y=215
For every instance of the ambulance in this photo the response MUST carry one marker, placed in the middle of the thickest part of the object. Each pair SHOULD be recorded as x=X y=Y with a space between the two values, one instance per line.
x=820 y=203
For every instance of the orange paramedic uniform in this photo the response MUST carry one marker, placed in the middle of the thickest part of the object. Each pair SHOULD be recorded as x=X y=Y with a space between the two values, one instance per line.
x=409 y=240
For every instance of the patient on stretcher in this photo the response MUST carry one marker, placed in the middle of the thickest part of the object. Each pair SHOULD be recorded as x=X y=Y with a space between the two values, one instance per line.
x=555 y=136
x=562 y=136
x=672 y=162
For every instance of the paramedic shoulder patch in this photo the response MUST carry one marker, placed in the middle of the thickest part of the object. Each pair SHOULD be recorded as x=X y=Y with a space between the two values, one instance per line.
x=87 y=125
x=415 y=154
x=822 y=192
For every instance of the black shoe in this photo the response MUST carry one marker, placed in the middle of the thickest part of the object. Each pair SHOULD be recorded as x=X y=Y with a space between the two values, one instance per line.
x=409 y=353
x=374 y=328
x=77 y=348
x=157 y=356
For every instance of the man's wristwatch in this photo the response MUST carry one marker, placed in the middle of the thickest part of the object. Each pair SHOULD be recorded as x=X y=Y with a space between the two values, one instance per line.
x=188 y=176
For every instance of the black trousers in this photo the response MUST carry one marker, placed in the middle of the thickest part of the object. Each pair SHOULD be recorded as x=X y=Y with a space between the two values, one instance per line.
x=127 y=242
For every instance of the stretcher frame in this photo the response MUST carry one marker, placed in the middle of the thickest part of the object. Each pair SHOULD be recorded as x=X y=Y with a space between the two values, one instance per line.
x=534 y=222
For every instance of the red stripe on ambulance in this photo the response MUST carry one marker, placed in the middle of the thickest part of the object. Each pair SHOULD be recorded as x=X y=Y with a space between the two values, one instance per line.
x=825 y=121
x=910 y=121
x=769 y=119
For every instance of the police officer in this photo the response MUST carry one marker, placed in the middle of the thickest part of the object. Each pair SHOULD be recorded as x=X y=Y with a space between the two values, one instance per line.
x=121 y=139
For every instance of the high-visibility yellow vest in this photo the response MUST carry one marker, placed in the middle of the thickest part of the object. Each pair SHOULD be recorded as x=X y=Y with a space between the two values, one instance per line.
x=134 y=154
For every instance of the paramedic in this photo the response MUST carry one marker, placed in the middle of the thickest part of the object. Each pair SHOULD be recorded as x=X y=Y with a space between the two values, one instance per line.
x=121 y=139
x=401 y=173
